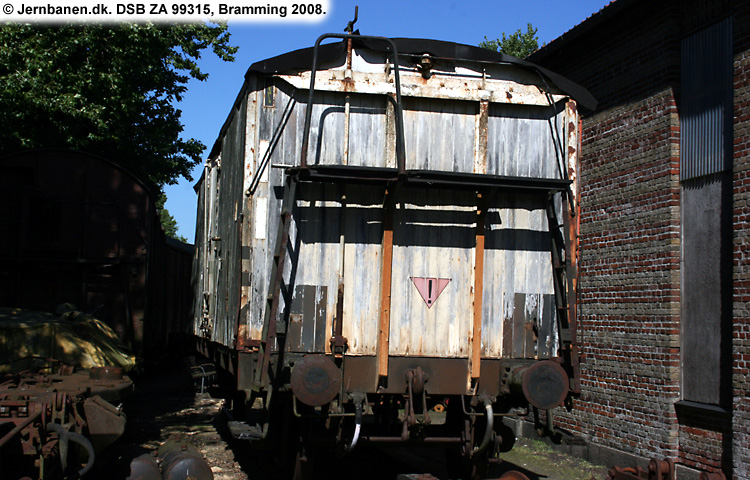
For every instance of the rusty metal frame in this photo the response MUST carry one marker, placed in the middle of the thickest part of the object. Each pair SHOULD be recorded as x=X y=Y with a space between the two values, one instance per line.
x=476 y=332
x=573 y=359
x=274 y=291
x=563 y=277
x=384 y=323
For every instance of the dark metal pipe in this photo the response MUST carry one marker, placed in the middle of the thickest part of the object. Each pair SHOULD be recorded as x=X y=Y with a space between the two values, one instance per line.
x=75 y=438
x=488 y=430
x=357 y=427
x=435 y=440
x=400 y=153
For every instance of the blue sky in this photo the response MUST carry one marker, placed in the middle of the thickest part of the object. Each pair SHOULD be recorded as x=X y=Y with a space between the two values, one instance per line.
x=207 y=104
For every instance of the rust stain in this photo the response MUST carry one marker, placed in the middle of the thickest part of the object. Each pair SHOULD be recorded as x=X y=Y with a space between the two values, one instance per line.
x=476 y=340
x=241 y=343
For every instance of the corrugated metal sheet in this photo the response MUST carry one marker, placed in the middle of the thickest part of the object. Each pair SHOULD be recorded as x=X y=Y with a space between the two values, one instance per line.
x=706 y=104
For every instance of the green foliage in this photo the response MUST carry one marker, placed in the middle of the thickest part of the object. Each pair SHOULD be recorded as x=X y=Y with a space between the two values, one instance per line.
x=519 y=44
x=168 y=223
x=108 y=90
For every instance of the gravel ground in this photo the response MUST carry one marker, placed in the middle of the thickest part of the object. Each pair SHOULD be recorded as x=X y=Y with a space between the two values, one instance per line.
x=165 y=405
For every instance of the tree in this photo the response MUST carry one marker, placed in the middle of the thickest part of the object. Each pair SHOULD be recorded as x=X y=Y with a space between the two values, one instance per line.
x=519 y=44
x=168 y=223
x=108 y=90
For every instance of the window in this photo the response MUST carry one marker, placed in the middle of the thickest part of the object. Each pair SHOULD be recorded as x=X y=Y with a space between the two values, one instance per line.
x=706 y=214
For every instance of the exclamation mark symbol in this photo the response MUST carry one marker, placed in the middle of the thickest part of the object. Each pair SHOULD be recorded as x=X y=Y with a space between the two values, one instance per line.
x=429 y=292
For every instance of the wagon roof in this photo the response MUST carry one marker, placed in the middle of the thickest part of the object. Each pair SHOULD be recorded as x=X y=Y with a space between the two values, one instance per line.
x=330 y=52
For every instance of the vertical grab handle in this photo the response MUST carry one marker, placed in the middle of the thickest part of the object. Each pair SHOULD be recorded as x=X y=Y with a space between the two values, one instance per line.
x=400 y=153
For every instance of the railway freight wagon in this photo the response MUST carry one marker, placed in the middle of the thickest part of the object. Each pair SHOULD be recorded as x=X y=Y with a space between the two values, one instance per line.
x=386 y=245
x=78 y=228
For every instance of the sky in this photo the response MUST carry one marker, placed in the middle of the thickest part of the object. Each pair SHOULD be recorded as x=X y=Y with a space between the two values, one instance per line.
x=207 y=104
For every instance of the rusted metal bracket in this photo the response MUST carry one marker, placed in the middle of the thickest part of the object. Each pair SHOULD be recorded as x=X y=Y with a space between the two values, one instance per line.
x=415 y=382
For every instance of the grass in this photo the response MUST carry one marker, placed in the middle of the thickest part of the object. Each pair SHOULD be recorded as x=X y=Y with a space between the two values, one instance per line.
x=540 y=461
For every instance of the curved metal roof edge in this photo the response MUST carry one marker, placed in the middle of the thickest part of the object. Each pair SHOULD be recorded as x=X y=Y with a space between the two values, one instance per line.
x=302 y=60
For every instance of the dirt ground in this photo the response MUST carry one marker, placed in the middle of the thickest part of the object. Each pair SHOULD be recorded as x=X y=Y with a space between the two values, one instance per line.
x=166 y=404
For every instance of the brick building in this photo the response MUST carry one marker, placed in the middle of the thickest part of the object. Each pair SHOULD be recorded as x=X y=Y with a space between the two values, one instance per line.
x=664 y=272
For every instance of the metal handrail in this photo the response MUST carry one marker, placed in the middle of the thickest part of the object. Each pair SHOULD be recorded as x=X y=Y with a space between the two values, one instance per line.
x=400 y=153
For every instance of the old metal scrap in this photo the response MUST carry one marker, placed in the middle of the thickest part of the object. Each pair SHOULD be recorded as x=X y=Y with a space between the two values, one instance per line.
x=657 y=470
x=56 y=423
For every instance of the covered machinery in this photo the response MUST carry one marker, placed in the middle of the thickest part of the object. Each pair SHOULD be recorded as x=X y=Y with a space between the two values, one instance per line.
x=386 y=244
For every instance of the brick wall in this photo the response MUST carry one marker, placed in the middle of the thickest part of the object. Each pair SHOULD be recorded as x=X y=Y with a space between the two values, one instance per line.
x=741 y=242
x=629 y=277
x=629 y=284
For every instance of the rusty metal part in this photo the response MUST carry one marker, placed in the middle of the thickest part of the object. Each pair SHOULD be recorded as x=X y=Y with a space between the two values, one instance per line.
x=662 y=469
x=476 y=331
x=712 y=476
x=386 y=270
x=106 y=423
x=513 y=475
x=415 y=382
x=544 y=384
x=350 y=26
x=144 y=467
x=315 y=380
x=657 y=470
x=339 y=342
x=627 y=473
x=568 y=316
x=48 y=411
x=20 y=425
x=424 y=66
x=180 y=460
x=270 y=320
x=105 y=373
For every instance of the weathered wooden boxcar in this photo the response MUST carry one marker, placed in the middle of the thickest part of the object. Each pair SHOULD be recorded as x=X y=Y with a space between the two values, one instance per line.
x=78 y=228
x=386 y=227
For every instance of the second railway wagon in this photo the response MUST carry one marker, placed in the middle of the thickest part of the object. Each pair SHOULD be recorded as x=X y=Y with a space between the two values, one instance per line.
x=386 y=245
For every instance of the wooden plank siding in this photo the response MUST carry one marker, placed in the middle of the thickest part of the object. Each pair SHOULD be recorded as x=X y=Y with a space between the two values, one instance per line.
x=337 y=229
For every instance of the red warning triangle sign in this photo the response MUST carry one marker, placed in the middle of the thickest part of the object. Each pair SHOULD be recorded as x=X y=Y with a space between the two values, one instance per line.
x=430 y=288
